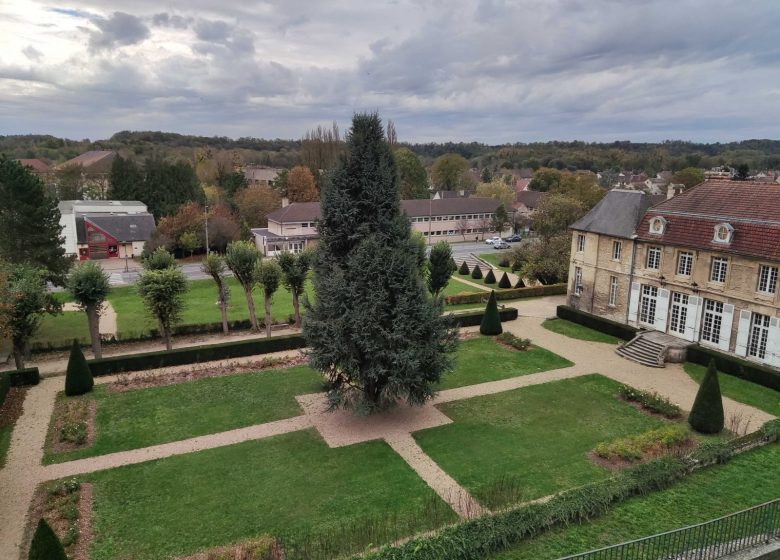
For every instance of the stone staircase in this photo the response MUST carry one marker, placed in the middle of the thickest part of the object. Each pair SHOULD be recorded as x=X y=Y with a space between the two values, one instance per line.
x=642 y=350
x=472 y=261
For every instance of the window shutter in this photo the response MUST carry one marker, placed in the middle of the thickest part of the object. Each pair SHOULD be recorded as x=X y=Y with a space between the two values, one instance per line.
x=661 y=310
x=633 y=302
x=725 y=327
x=743 y=332
x=773 y=344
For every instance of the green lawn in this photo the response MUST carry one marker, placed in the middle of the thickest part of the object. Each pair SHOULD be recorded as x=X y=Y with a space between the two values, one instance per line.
x=455 y=287
x=493 y=259
x=57 y=331
x=747 y=480
x=580 y=332
x=483 y=359
x=144 y=417
x=284 y=484
x=761 y=397
x=537 y=435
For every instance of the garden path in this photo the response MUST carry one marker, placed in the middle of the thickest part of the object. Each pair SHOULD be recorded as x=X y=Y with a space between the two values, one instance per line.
x=23 y=470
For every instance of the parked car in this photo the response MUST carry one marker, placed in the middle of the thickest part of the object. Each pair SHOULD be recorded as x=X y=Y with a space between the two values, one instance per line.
x=500 y=244
x=493 y=240
x=513 y=238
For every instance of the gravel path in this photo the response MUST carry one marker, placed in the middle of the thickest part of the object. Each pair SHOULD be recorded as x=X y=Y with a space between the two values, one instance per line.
x=23 y=470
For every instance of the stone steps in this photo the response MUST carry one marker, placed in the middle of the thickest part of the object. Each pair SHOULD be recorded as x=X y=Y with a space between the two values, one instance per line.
x=643 y=351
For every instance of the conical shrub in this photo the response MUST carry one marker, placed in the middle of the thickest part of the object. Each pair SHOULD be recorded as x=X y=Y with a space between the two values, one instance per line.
x=490 y=278
x=520 y=283
x=453 y=265
x=78 y=378
x=706 y=416
x=464 y=268
x=491 y=320
x=476 y=274
x=504 y=283
x=45 y=544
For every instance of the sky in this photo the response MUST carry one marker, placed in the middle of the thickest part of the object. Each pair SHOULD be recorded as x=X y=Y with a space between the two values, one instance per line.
x=492 y=71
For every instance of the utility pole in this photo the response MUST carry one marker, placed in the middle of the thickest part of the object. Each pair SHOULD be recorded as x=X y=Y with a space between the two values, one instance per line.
x=206 y=211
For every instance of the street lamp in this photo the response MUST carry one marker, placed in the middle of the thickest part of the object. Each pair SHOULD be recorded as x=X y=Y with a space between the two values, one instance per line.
x=206 y=212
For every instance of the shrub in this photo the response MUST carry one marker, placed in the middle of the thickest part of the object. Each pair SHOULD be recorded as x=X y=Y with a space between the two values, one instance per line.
x=5 y=386
x=515 y=342
x=74 y=432
x=490 y=278
x=78 y=377
x=491 y=320
x=474 y=318
x=464 y=269
x=476 y=274
x=45 y=544
x=619 y=330
x=651 y=401
x=710 y=452
x=503 y=260
x=771 y=430
x=731 y=365
x=520 y=284
x=21 y=377
x=504 y=283
x=633 y=448
x=706 y=414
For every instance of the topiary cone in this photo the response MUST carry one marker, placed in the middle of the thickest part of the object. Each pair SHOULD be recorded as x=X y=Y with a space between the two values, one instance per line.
x=706 y=415
x=491 y=320
x=520 y=283
x=78 y=378
x=504 y=282
x=476 y=274
x=490 y=278
x=45 y=544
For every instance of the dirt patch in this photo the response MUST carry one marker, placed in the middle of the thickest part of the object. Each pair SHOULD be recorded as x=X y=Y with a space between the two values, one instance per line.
x=617 y=464
x=145 y=380
x=67 y=508
x=73 y=425
x=11 y=409
x=261 y=548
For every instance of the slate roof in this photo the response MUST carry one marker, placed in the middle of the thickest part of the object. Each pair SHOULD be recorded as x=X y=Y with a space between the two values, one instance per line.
x=751 y=207
x=296 y=212
x=123 y=227
x=617 y=214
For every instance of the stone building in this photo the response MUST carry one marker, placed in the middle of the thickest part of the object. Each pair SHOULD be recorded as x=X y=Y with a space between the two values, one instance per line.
x=701 y=266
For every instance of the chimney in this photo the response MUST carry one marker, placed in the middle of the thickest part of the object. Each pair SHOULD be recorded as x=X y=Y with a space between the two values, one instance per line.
x=285 y=202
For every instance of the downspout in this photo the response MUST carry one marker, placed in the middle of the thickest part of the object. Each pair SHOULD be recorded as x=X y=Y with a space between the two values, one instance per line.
x=631 y=273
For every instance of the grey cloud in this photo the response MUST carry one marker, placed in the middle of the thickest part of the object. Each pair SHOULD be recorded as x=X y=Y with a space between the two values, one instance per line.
x=32 y=53
x=218 y=35
x=119 y=29
x=174 y=21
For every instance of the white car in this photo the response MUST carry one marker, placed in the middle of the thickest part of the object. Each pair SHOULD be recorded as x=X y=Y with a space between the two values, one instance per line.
x=492 y=240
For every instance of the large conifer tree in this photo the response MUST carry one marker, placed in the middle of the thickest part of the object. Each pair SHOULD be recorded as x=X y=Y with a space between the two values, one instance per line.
x=372 y=329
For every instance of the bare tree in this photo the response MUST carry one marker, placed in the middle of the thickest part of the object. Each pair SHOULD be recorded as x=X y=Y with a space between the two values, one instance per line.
x=392 y=137
x=463 y=225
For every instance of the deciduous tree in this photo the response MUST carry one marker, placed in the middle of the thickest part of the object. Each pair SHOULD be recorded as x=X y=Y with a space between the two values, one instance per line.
x=411 y=175
x=301 y=186
x=372 y=329
x=163 y=292
x=689 y=176
x=255 y=203
x=269 y=276
x=295 y=271
x=241 y=258
x=448 y=171
x=214 y=266
x=498 y=190
x=88 y=284
x=555 y=214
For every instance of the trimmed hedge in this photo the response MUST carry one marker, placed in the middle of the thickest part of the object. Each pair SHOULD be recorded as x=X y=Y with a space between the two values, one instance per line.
x=619 y=330
x=21 y=377
x=464 y=269
x=490 y=278
x=514 y=293
x=195 y=354
x=733 y=365
x=474 y=318
x=5 y=386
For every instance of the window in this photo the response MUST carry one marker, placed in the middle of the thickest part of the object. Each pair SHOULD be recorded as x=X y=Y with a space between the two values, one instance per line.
x=718 y=270
x=613 y=291
x=648 y=303
x=767 y=279
x=723 y=233
x=678 y=315
x=657 y=225
x=580 y=243
x=654 y=258
x=759 y=335
x=617 y=250
x=577 y=280
x=684 y=263
x=713 y=318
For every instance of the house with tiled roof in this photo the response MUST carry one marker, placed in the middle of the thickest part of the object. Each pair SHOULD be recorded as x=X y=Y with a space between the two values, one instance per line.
x=94 y=167
x=294 y=227
x=701 y=266
x=36 y=166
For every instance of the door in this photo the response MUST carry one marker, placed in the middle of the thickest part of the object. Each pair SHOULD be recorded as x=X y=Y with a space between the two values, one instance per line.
x=648 y=304
x=759 y=336
x=712 y=330
x=678 y=314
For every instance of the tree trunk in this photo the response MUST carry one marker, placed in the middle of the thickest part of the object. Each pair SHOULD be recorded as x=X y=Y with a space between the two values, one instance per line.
x=296 y=307
x=167 y=336
x=250 y=303
x=19 y=357
x=93 y=320
x=223 y=309
x=268 y=316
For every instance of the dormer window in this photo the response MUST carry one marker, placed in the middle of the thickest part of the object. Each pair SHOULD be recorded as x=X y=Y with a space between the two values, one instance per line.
x=723 y=233
x=658 y=225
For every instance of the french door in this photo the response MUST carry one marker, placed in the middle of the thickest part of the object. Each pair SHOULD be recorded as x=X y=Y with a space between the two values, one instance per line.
x=678 y=313
x=759 y=335
x=648 y=304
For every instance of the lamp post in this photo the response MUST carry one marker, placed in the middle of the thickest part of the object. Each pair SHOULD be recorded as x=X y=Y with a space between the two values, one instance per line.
x=206 y=212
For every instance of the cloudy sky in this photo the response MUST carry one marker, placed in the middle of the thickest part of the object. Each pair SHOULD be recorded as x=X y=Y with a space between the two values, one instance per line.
x=488 y=70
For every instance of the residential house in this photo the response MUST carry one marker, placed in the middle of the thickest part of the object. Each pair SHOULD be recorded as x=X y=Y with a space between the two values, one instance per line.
x=701 y=266
x=526 y=202
x=293 y=227
x=257 y=175
x=105 y=229
x=95 y=168
x=38 y=167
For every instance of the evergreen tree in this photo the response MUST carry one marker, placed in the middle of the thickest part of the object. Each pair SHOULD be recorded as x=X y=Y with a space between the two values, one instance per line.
x=490 y=278
x=520 y=283
x=706 y=416
x=78 y=376
x=464 y=269
x=504 y=282
x=89 y=286
x=476 y=273
x=169 y=185
x=372 y=329
x=491 y=320
x=126 y=181
x=440 y=267
x=30 y=230
x=45 y=544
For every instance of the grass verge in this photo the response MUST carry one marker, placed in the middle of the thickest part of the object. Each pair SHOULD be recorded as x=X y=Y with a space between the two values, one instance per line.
x=580 y=332
x=746 y=392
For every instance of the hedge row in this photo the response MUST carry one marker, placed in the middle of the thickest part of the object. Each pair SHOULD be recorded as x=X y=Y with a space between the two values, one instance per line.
x=487 y=535
x=17 y=378
x=5 y=386
x=619 y=330
x=733 y=365
x=475 y=318
x=513 y=293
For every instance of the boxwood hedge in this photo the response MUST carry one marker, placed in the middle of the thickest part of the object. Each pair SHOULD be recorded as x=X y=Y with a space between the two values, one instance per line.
x=514 y=293
x=619 y=330
x=732 y=365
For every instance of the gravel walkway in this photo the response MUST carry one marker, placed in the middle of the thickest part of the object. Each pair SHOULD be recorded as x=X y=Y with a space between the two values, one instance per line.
x=23 y=470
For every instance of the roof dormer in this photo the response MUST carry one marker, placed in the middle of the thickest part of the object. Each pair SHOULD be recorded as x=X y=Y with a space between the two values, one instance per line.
x=723 y=233
x=657 y=225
